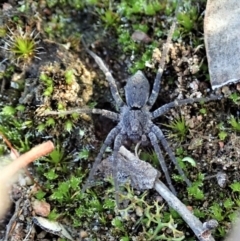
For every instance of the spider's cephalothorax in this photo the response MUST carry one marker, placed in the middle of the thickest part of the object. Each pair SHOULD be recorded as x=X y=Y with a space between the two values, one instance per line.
x=137 y=91
x=135 y=119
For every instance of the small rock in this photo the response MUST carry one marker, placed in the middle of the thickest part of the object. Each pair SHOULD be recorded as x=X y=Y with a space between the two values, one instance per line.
x=139 y=211
x=226 y=91
x=29 y=181
x=221 y=145
x=6 y=7
x=83 y=234
x=211 y=224
x=238 y=87
x=41 y=235
x=140 y=36
x=194 y=85
x=41 y=208
x=222 y=179
x=190 y=208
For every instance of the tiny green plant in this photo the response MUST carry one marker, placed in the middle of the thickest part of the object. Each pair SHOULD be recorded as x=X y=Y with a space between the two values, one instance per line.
x=141 y=63
x=22 y=45
x=68 y=125
x=51 y=175
x=8 y=110
x=53 y=215
x=217 y=211
x=41 y=127
x=56 y=156
x=15 y=129
x=84 y=154
x=40 y=194
x=235 y=97
x=48 y=82
x=69 y=76
x=109 y=18
x=179 y=128
x=188 y=18
x=235 y=124
x=119 y=224
x=222 y=133
x=50 y=122
x=66 y=190
x=195 y=190
x=203 y=111
x=152 y=218
x=189 y=160
x=124 y=38
x=129 y=8
x=235 y=186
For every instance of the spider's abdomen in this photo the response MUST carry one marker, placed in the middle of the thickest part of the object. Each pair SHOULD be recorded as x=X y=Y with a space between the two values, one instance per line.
x=137 y=90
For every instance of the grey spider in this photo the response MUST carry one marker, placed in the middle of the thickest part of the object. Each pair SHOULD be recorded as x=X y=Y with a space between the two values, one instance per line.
x=135 y=119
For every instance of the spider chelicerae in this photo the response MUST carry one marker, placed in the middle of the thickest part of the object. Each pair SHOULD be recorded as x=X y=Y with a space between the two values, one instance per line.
x=135 y=120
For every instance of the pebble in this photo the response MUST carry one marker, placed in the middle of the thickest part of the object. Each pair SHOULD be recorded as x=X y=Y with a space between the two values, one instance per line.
x=41 y=208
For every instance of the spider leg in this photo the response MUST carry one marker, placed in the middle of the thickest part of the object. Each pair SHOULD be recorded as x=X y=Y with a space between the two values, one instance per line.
x=155 y=129
x=109 y=114
x=157 y=149
x=157 y=81
x=109 y=77
x=108 y=141
x=117 y=144
x=165 y=108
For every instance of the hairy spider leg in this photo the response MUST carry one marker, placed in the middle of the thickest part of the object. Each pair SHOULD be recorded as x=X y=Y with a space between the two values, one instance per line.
x=109 y=77
x=117 y=144
x=157 y=149
x=165 y=108
x=169 y=151
x=155 y=89
x=108 y=141
x=157 y=82
x=109 y=114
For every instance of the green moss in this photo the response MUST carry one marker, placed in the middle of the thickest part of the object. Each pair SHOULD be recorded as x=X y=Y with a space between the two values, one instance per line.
x=235 y=124
x=69 y=76
x=235 y=97
x=188 y=17
x=109 y=18
x=151 y=217
x=129 y=8
x=179 y=128
x=15 y=129
x=22 y=45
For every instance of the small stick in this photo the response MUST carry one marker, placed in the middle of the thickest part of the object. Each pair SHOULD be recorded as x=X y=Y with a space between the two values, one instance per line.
x=12 y=223
x=193 y=222
x=107 y=113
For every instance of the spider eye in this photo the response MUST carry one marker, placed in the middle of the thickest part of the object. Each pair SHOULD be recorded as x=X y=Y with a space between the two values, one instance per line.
x=135 y=108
